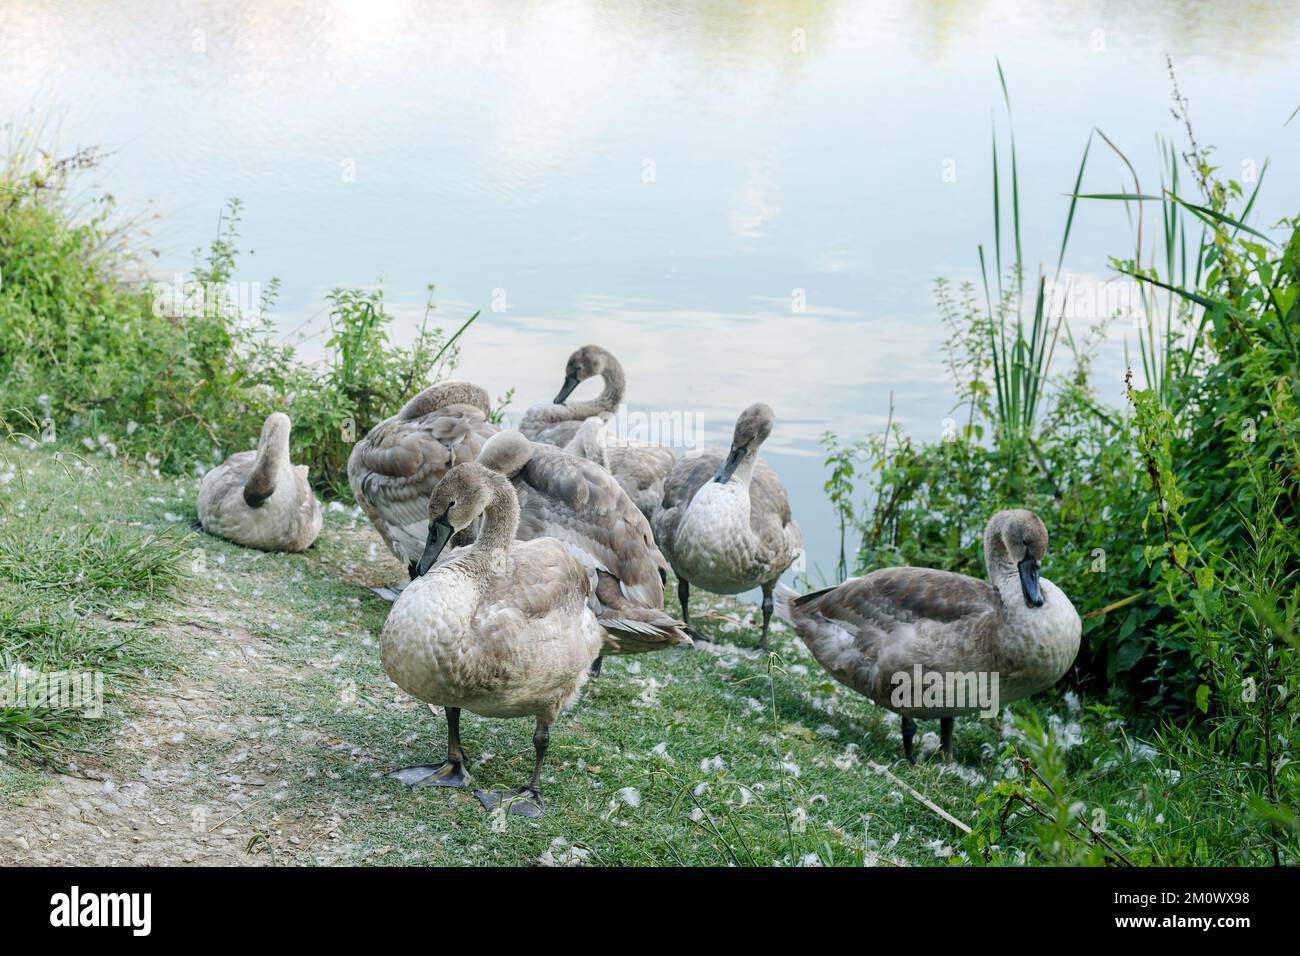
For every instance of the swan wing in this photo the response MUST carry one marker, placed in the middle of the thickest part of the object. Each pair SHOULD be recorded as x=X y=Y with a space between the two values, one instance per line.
x=584 y=507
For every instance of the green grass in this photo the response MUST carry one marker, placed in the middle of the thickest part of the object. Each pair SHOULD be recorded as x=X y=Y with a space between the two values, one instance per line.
x=716 y=756
x=96 y=559
x=76 y=595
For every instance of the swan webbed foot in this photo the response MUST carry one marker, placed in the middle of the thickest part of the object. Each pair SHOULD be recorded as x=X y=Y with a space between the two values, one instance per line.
x=446 y=773
x=696 y=635
x=526 y=801
x=594 y=670
x=522 y=801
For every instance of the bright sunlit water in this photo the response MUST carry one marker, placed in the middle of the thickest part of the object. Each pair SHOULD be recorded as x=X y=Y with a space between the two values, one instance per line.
x=658 y=178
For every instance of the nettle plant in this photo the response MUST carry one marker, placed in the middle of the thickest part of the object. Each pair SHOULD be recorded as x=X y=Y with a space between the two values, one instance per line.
x=178 y=374
x=1220 y=453
x=366 y=378
x=1215 y=354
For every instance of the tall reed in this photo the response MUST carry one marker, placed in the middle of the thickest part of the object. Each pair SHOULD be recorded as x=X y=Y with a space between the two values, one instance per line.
x=1020 y=346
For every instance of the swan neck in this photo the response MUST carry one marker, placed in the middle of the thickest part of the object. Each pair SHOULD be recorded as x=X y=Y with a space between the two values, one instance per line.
x=744 y=472
x=272 y=455
x=610 y=397
x=500 y=525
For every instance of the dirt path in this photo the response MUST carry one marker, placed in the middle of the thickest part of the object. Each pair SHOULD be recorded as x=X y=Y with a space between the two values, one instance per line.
x=168 y=795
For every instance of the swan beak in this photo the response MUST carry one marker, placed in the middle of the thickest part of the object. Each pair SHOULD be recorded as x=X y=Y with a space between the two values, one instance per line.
x=440 y=533
x=729 y=466
x=570 y=383
x=1029 y=581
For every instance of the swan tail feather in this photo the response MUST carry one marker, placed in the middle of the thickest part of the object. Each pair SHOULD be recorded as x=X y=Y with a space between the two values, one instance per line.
x=650 y=631
x=784 y=597
x=787 y=599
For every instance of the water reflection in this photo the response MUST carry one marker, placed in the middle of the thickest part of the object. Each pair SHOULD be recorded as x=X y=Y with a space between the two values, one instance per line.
x=744 y=200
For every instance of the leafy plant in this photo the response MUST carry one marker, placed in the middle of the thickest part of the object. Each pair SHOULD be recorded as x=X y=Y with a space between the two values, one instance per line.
x=367 y=378
x=1172 y=519
x=178 y=376
x=843 y=461
x=1065 y=830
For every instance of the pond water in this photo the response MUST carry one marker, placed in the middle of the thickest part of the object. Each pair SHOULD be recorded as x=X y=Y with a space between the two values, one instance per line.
x=744 y=201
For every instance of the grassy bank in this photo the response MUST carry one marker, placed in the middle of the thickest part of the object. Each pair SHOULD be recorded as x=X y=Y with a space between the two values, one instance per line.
x=248 y=719
x=1173 y=516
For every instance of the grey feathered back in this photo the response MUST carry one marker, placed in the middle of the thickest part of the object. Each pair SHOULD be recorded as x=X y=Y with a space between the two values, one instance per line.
x=394 y=469
x=639 y=467
x=582 y=504
x=579 y=503
x=261 y=499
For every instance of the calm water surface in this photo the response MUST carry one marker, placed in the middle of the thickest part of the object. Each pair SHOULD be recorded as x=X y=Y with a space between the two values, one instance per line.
x=655 y=177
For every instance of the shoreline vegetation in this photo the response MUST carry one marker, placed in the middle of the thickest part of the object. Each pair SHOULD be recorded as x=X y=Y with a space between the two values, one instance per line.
x=251 y=683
